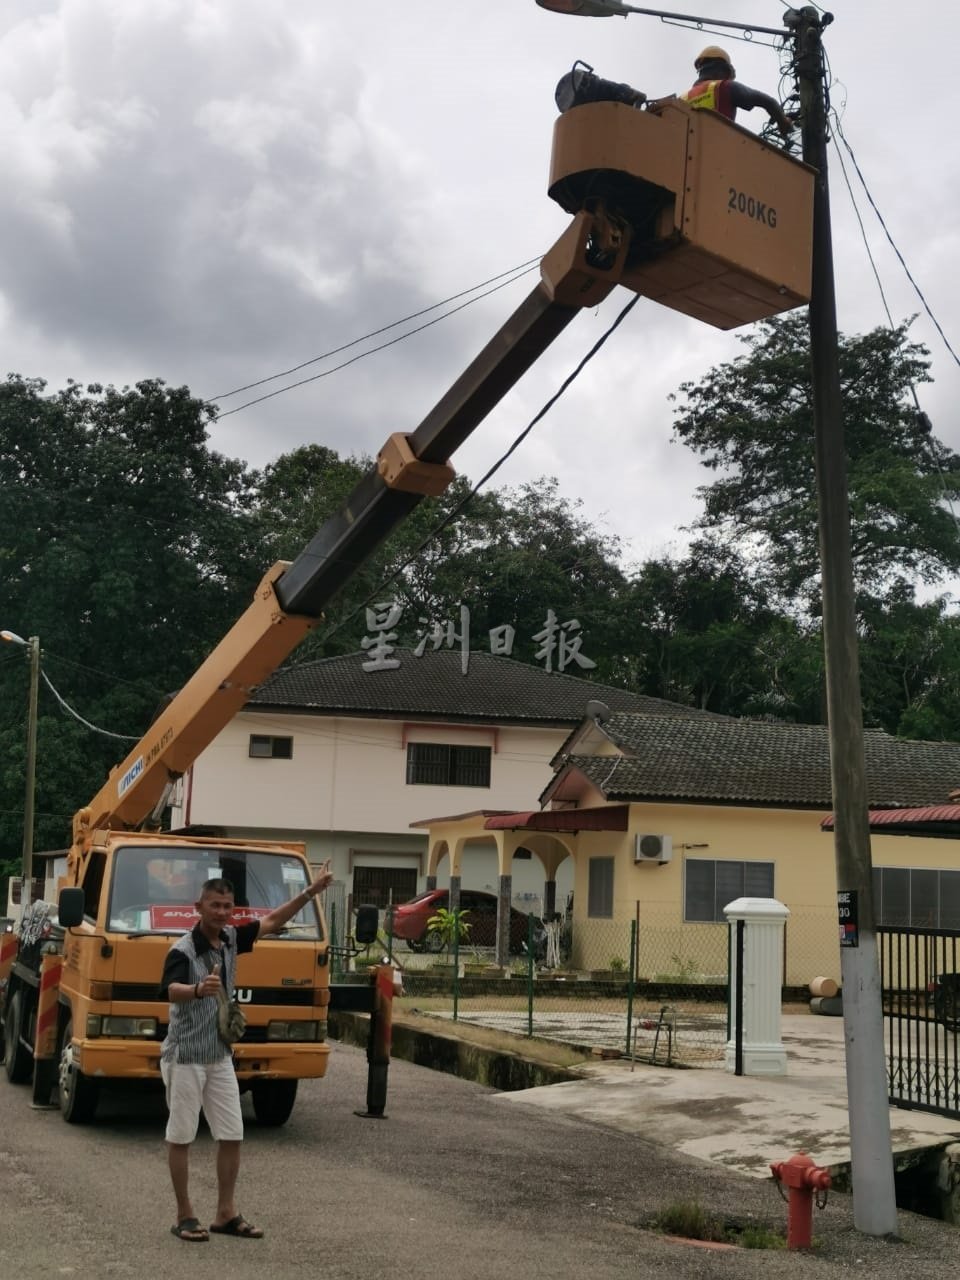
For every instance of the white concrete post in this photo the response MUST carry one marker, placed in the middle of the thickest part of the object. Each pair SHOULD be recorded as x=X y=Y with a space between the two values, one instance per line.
x=763 y=1051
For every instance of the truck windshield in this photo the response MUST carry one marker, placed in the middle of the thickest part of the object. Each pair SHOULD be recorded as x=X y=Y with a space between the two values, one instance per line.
x=153 y=889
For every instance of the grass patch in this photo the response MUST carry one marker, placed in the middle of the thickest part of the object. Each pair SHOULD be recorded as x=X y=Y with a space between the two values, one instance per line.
x=689 y=1219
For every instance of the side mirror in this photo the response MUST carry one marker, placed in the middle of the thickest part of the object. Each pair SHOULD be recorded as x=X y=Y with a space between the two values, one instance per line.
x=70 y=907
x=368 y=921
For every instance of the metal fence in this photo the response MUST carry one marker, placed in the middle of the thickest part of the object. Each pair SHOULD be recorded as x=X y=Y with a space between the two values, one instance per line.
x=614 y=988
x=920 y=981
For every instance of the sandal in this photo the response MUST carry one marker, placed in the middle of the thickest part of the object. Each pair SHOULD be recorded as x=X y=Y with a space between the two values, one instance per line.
x=190 y=1231
x=239 y=1227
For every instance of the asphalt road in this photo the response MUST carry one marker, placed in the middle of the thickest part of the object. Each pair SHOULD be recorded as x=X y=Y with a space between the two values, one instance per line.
x=453 y=1184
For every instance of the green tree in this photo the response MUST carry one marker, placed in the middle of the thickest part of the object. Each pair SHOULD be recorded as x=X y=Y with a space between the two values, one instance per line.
x=125 y=546
x=700 y=630
x=751 y=422
x=910 y=665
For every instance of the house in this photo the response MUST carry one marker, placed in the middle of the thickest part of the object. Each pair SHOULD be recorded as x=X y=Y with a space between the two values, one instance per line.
x=668 y=818
x=347 y=759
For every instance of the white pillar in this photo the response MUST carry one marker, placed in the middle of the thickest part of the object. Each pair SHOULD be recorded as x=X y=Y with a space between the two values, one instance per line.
x=763 y=1051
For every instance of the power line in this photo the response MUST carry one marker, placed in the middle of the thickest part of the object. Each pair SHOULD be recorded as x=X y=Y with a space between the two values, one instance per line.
x=373 y=350
x=893 y=245
x=375 y=333
x=124 y=737
x=924 y=418
x=455 y=511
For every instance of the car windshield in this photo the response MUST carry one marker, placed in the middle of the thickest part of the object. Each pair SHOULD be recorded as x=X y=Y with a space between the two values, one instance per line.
x=154 y=888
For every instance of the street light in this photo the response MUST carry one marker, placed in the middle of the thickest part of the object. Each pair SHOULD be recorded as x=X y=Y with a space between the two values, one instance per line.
x=585 y=8
x=33 y=656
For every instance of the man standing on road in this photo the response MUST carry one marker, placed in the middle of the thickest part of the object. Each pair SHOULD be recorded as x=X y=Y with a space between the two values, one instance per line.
x=717 y=89
x=196 y=1063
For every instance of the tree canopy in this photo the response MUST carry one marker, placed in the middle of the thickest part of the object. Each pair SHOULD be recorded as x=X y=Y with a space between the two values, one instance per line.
x=125 y=548
x=751 y=422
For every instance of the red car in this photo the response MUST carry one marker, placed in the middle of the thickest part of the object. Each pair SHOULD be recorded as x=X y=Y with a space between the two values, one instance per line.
x=408 y=922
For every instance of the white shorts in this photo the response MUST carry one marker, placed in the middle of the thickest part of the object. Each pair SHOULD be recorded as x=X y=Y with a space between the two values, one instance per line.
x=211 y=1086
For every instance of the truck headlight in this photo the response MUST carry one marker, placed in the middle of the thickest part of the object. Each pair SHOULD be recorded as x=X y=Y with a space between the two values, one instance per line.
x=296 y=1030
x=131 y=1028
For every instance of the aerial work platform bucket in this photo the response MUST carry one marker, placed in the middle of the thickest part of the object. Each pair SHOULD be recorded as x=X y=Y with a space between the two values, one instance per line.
x=722 y=223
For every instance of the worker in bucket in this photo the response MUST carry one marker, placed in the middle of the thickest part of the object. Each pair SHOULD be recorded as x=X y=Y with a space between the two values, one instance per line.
x=717 y=89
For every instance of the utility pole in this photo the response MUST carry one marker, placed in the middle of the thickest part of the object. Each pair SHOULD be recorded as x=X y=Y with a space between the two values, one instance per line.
x=26 y=872
x=32 y=647
x=874 y=1197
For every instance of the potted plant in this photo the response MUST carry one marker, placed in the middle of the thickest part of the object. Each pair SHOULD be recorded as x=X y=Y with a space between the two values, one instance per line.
x=449 y=926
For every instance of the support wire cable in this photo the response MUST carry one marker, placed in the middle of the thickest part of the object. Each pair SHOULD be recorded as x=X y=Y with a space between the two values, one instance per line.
x=455 y=511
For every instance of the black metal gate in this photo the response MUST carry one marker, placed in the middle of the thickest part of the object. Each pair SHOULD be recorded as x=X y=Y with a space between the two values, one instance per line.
x=920 y=980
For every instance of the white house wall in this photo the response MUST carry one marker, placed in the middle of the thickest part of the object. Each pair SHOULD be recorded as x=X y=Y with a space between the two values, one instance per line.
x=344 y=791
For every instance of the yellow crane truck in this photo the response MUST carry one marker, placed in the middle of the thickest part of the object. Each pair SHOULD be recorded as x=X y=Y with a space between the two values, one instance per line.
x=676 y=204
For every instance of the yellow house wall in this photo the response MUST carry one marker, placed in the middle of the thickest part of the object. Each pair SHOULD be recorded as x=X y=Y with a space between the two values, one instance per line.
x=653 y=894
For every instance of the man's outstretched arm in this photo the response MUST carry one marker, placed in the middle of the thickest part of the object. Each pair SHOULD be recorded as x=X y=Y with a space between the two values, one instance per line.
x=279 y=916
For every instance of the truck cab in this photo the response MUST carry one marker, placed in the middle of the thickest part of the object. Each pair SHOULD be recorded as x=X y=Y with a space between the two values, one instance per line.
x=138 y=891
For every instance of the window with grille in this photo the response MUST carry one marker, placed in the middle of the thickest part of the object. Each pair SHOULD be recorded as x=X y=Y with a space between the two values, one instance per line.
x=265 y=747
x=437 y=764
x=916 y=896
x=381 y=886
x=600 y=888
x=709 y=886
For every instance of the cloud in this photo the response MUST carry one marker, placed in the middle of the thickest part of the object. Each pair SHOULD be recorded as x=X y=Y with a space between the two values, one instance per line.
x=210 y=191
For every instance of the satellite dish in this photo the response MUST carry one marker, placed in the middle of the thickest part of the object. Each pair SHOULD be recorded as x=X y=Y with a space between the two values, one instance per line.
x=598 y=711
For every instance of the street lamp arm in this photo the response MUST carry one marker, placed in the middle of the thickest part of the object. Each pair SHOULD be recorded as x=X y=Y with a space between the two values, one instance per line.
x=614 y=9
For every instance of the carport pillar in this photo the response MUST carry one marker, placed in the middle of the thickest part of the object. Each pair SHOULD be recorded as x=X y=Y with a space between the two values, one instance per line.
x=761 y=1050
x=504 y=896
x=453 y=903
x=431 y=882
x=549 y=899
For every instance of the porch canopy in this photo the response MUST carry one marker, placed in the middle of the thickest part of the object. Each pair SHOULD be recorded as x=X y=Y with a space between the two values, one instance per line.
x=612 y=817
x=609 y=817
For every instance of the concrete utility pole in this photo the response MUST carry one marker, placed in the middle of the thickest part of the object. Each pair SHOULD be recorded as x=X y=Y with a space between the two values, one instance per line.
x=874 y=1197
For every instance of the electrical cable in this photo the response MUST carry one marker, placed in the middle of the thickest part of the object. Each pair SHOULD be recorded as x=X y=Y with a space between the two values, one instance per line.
x=124 y=737
x=81 y=666
x=375 y=333
x=455 y=511
x=924 y=418
x=893 y=245
x=302 y=382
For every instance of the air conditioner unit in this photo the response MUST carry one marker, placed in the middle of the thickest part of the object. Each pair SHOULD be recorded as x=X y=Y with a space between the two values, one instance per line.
x=653 y=849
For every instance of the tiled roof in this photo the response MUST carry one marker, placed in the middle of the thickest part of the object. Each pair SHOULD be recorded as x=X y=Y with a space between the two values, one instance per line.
x=494 y=688
x=759 y=763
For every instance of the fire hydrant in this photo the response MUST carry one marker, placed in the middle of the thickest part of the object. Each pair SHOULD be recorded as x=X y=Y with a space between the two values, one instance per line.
x=803 y=1178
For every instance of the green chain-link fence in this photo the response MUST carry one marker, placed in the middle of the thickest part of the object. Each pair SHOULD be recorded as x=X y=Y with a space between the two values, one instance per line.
x=618 y=989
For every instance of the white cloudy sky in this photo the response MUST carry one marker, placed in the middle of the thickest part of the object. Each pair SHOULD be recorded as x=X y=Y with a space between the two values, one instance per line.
x=211 y=191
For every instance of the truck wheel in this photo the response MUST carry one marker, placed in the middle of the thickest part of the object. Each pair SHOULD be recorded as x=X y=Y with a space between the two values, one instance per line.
x=17 y=1060
x=78 y=1093
x=273 y=1101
